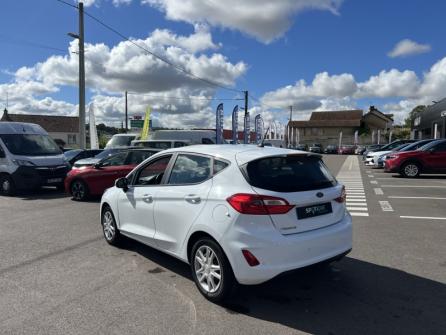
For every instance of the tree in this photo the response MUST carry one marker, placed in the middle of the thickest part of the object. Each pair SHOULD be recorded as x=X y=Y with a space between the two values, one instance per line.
x=408 y=122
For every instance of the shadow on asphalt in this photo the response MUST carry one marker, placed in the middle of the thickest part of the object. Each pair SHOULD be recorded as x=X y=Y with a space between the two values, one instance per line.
x=348 y=297
x=426 y=176
x=44 y=193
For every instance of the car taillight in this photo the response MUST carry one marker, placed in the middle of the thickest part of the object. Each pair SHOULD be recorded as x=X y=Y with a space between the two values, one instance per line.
x=258 y=204
x=341 y=199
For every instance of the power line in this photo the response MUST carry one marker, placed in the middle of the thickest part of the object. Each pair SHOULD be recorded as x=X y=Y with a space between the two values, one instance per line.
x=177 y=67
x=184 y=98
x=67 y=3
x=29 y=43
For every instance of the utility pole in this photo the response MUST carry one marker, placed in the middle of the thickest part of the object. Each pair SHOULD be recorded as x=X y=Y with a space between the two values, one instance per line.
x=246 y=103
x=126 y=113
x=81 y=77
x=291 y=113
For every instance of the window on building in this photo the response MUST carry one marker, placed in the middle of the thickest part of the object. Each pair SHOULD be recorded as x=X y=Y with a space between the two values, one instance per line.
x=71 y=138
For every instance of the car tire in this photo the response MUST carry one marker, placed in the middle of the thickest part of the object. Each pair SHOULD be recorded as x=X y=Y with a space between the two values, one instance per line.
x=109 y=227
x=410 y=170
x=212 y=271
x=79 y=190
x=7 y=186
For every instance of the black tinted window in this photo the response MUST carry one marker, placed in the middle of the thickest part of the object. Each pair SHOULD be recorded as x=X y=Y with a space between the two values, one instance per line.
x=440 y=147
x=190 y=169
x=207 y=141
x=179 y=144
x=289 y=174
x=153 y=173
x=115 y=160
x=136 y=157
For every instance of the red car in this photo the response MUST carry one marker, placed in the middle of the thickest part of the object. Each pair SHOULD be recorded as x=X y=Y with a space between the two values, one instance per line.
x=93 y=180
x=430 y=158
x=346 y=150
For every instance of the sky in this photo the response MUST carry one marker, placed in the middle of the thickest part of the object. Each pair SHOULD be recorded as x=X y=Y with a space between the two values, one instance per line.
x=313 y=55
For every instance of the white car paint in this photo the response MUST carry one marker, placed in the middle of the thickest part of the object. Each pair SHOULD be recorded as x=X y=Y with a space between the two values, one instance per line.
x=372 y=158
x=166 y=216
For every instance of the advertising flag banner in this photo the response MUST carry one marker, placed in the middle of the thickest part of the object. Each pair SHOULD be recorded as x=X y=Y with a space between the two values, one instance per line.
x=145 y=127
x=356 y=137
x=247 y=129
x=219 y=124
x=235 y=125
x=94 y=141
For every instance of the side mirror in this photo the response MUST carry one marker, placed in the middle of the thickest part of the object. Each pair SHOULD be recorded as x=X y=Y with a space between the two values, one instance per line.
x=97 y=165
x=431 y=150
x=122 y=183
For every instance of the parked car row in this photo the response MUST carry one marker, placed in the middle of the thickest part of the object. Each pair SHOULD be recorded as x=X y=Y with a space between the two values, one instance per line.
x=410 y=158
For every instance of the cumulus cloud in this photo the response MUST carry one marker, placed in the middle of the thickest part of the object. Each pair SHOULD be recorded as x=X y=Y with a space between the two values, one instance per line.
x=338 y=92
x=263 y=19
x=408 y=47
x=112 y=70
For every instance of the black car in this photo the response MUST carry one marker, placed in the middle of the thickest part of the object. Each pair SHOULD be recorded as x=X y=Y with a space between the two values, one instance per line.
x=331 y=149
x=74 y=155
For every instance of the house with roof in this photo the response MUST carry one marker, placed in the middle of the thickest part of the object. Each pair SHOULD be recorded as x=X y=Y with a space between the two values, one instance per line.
x=63 y=129
x=325 y=127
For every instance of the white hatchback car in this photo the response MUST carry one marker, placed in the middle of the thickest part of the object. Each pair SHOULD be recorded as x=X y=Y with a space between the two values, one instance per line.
x=235 y=213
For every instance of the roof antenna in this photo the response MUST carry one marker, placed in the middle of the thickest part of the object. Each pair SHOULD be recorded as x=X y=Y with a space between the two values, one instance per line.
x=261 y=145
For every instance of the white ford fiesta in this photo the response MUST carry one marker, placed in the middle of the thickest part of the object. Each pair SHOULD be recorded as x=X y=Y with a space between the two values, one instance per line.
x=236 y=213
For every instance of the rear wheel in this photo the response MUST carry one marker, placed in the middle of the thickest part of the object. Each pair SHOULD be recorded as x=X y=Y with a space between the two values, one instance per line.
x=109 y=228
x=79 y=190
x=7 y=186
x=410 y=170
x=211 y=270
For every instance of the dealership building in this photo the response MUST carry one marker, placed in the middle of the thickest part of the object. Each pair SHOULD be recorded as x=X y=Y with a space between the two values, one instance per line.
x=431 y=123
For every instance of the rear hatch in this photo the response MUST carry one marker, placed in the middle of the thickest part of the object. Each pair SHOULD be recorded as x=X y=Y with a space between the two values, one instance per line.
x=303 y=181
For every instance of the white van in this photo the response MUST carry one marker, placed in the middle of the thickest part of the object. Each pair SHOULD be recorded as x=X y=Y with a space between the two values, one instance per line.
x=160 y=144
x=29 y=158
x=121 y=140
x=194 y=136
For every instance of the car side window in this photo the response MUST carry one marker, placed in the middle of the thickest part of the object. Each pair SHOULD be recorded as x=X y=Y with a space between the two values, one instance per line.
x=2 y=153
x=441 y=147
x=206 y=141
x=152 y=173
x=136 y=157
x=115 y=160
x=219 y=165
x=190 y=169
x=179 y=144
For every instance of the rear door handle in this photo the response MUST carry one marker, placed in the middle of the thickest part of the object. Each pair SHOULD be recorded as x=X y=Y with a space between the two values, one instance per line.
x=147 y=198
x=192 y=198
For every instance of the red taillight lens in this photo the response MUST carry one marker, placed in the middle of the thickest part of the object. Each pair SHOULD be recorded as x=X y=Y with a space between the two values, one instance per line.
x=259 y=204
x=250 y=258
x=341 y=199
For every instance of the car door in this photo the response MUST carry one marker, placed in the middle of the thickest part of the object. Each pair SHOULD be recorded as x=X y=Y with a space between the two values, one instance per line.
x=107 y=172
x=180 y=201
x=436 y=158
x=135 y=206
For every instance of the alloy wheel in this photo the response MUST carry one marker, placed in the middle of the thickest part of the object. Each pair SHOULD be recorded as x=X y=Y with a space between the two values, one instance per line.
x=78 y=190
x=108 y=226
x=411 y=170
x=207 y=269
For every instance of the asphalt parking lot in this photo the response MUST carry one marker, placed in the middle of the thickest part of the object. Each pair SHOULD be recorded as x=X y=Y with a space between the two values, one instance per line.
x=58 y=275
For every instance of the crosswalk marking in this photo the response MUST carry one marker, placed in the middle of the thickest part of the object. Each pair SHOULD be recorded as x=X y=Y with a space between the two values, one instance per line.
x=350 y=177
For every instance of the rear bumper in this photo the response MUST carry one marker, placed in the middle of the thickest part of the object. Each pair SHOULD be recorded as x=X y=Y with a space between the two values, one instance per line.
x=283 y=253
x=30 y=177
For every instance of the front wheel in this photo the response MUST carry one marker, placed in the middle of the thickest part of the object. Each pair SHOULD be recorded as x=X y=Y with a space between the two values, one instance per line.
x=7 y=186
x=410 y=170
x=211 y=270
x=109 y=228
x=79 y=190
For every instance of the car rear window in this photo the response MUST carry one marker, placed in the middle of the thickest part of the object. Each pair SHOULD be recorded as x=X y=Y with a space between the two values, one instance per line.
x=288 y=174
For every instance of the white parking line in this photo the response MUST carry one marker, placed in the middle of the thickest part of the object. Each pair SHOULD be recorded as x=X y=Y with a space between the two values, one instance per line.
x=358 y=214
x=373 y=182
x=371 y=176
x=385 y=206
x=414 y=186
x=422 y=217
x=428 y=198
x=350 y=176
x=378 y=191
